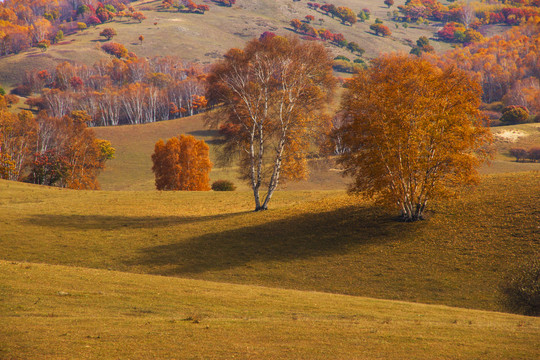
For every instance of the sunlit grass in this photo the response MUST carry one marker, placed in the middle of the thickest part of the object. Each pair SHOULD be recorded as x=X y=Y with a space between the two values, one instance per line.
x=54 y=312
x=309 y=240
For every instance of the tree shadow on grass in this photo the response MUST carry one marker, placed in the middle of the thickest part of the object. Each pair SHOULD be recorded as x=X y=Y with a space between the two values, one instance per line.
x=303 y=236
x=105 y=222
x=205 y=133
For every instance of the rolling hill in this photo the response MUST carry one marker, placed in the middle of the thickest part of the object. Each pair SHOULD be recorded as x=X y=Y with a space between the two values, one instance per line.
x=130 y=272
x=322 y=241
x=204 y=38
x=309 y=240
x=56 y=312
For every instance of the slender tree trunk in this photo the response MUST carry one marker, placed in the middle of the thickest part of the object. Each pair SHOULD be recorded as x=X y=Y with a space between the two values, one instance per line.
x=274 y=179
x=258 y=172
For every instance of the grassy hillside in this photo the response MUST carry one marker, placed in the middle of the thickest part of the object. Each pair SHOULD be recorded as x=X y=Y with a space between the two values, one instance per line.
x=516 y=136
x=134 y=144
x=310 y=240
x=132 y=167
x=204 y=38
x=54 y=312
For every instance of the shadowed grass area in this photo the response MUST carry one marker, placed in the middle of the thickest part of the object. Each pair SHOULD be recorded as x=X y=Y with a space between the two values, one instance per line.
x=309 y=240
x=55 y=312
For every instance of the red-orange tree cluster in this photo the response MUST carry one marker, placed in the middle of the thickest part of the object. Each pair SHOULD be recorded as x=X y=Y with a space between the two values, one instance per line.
x=380 y=29
x=121 y=91
x=457 y=32
x=51 y=151
x=184 y=6
x=507 y=65
x=228 y=3
x=182 y=163
x=26 y=23
x=345 y=14
x=115 y=49
x=312 y=33
x=507 y=12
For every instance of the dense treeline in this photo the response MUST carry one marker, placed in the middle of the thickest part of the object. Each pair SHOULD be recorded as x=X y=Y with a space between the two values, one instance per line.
x=27 y=23
x=184 y=6
x=507 y=65
x=51 y=150
x=473 y=15
x=120 y=91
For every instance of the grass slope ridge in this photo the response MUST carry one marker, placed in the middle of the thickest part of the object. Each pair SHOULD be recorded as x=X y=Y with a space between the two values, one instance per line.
x=55 y=312
x=310 y=240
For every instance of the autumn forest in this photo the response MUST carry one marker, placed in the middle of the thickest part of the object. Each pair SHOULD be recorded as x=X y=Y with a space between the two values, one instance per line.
x=226 y=167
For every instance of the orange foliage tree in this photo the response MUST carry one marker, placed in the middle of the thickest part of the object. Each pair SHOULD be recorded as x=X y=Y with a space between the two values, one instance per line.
x=183 y=163
x=414 y=131
x=272 y=94
x=115 y=49
x=69 y=148
x=52 y=151
x=108 y=33
x=18 y=134
x=506 y=64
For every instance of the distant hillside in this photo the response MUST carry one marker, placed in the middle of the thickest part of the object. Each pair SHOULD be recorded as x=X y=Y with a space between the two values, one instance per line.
x=131 y=169
x=134 y=144
x=204 y=38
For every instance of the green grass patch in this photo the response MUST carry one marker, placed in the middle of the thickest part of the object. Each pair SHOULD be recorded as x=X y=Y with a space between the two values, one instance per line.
x=55 y=312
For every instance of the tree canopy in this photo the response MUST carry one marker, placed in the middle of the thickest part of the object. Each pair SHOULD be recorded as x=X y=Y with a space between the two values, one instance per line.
x=183 y=163
x=272 y=93
x=414 y=131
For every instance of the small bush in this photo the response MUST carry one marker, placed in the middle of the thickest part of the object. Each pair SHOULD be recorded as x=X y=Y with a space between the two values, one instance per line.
x=341 y=57
x=22 y=90
x=223 y=185
x=514 y=115
x=521 y=289
x=115 y=49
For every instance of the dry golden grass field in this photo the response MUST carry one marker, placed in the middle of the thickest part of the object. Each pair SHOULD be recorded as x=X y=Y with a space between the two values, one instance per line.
x=133 y=273
x=58 y=312
x=315 y=242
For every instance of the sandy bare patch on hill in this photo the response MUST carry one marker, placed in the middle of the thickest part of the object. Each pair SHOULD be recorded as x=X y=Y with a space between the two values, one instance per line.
x=511 y=135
